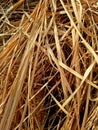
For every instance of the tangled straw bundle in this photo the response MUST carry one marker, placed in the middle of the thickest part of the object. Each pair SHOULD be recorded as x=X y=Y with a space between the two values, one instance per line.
x=49 y=65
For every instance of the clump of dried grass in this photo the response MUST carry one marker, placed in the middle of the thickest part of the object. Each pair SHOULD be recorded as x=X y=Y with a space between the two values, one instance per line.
x=48 y=65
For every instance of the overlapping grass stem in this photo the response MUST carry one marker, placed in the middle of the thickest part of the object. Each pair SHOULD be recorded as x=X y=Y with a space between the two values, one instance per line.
x=49 y=65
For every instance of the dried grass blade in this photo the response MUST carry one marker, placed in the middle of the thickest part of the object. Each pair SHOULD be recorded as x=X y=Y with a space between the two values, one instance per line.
x=84 y=41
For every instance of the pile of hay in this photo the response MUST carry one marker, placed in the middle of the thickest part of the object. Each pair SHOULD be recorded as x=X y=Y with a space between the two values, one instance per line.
x=49 y=65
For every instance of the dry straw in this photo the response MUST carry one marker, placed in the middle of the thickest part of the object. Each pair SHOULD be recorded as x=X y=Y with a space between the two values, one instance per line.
x=49 y=65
